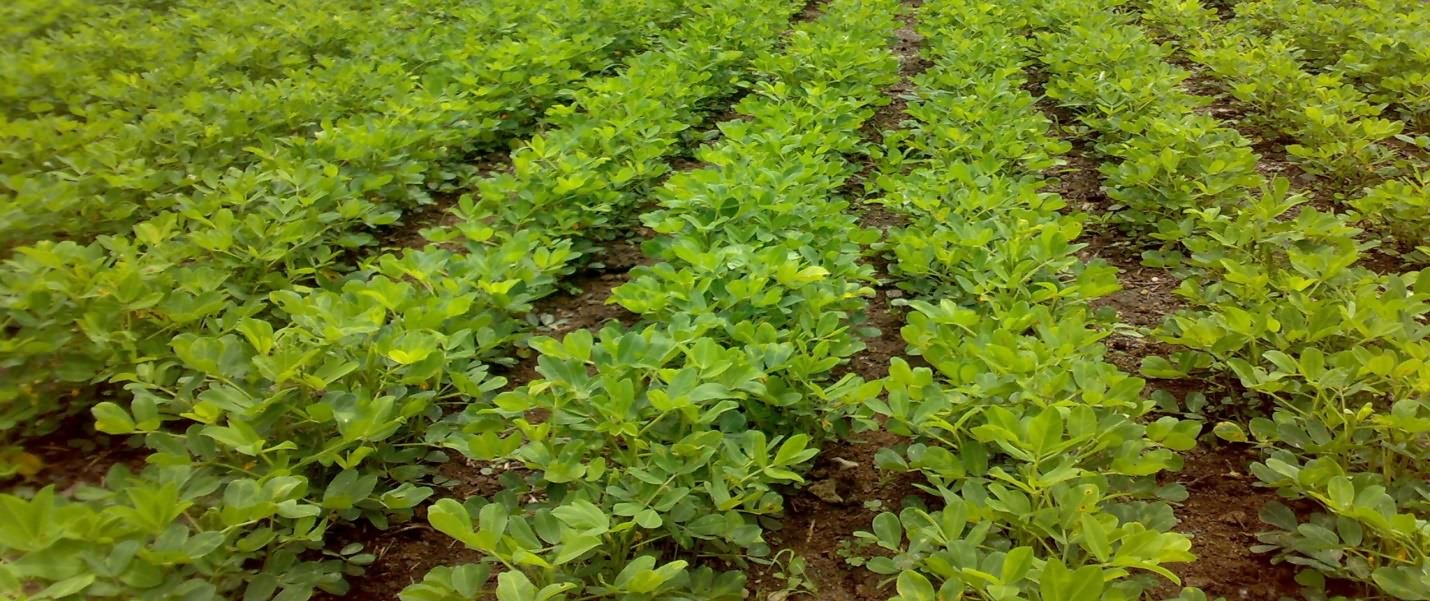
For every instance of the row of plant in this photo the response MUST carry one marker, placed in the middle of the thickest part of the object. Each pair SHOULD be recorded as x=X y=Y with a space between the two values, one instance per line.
x=656 y=456
x=585 y=180
x=1336 y=128
x=24 y=20
x=87 y=313
x=1039 y=467
x=1278 y=313
x=274 y=419
x=197 y=107
x=1380 y=45
x=81 y=313
x=1162 y=159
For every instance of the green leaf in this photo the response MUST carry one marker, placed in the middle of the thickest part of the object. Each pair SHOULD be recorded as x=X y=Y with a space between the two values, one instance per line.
x=888 y=530
x=792 y=451
x=259 y=334
x=1046 y=430
x=559 y=471
x=1175 y=434
x=261 y=588
x=1229 y=432
x=1016 y=564
x=1094 y=536
x=492 y=519
x=469 y=579
x=575 y=546
x=112 y=419
x=515 y=586
x=1403 y=582
x=649 y=519
x=1059 y=584
x=1341 y=492
x=451 y=518
x=69 y=586
x=648 y=581
x=1159 y=368
x=412 y=347
x=913 y=586
x=1279 y=515
x=551 y=590
x=584 y=516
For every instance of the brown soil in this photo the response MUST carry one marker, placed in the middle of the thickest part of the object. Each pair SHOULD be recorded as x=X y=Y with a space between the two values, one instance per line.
x=1221 y=511
x=406 y=552
x=1078 y=180
x=851 y=491
x=1147 y=295
x=76 y=455
x=845 y=490
x=404 y=555
x=583 y=305
x=873 y=362
x=844 y=474
x=811 y=11
x=1385 y=263
x=407 y=233
x=1145 y=300
x=1221 y=517
x=911 y=63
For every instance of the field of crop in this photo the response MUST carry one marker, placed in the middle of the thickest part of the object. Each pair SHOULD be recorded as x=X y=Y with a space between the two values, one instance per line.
x=849 y=300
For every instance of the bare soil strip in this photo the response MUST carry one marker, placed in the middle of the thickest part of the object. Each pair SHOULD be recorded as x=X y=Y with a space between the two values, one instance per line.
x=1221 y=511
x=846 y=491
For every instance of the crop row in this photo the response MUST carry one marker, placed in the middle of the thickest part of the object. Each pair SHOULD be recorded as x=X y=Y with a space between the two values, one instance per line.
x=82 y=312
x=87 y=313
x=239 y=110
x=1039 y=469
x=667 y=441
x=285 y=383
x=1278 y=312
x=1380 y=45
x=273 y=416
x=1337 y=129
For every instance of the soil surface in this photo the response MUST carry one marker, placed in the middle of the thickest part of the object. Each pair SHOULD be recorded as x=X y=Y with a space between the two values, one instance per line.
x=845 y=489
x=582 y=305
x=405 y=553
x=845 y=492
x=872 y=363
x=882 y=311
x=1221 y=512
x=76 y=455
x=407 y=233
x=1221 y=517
